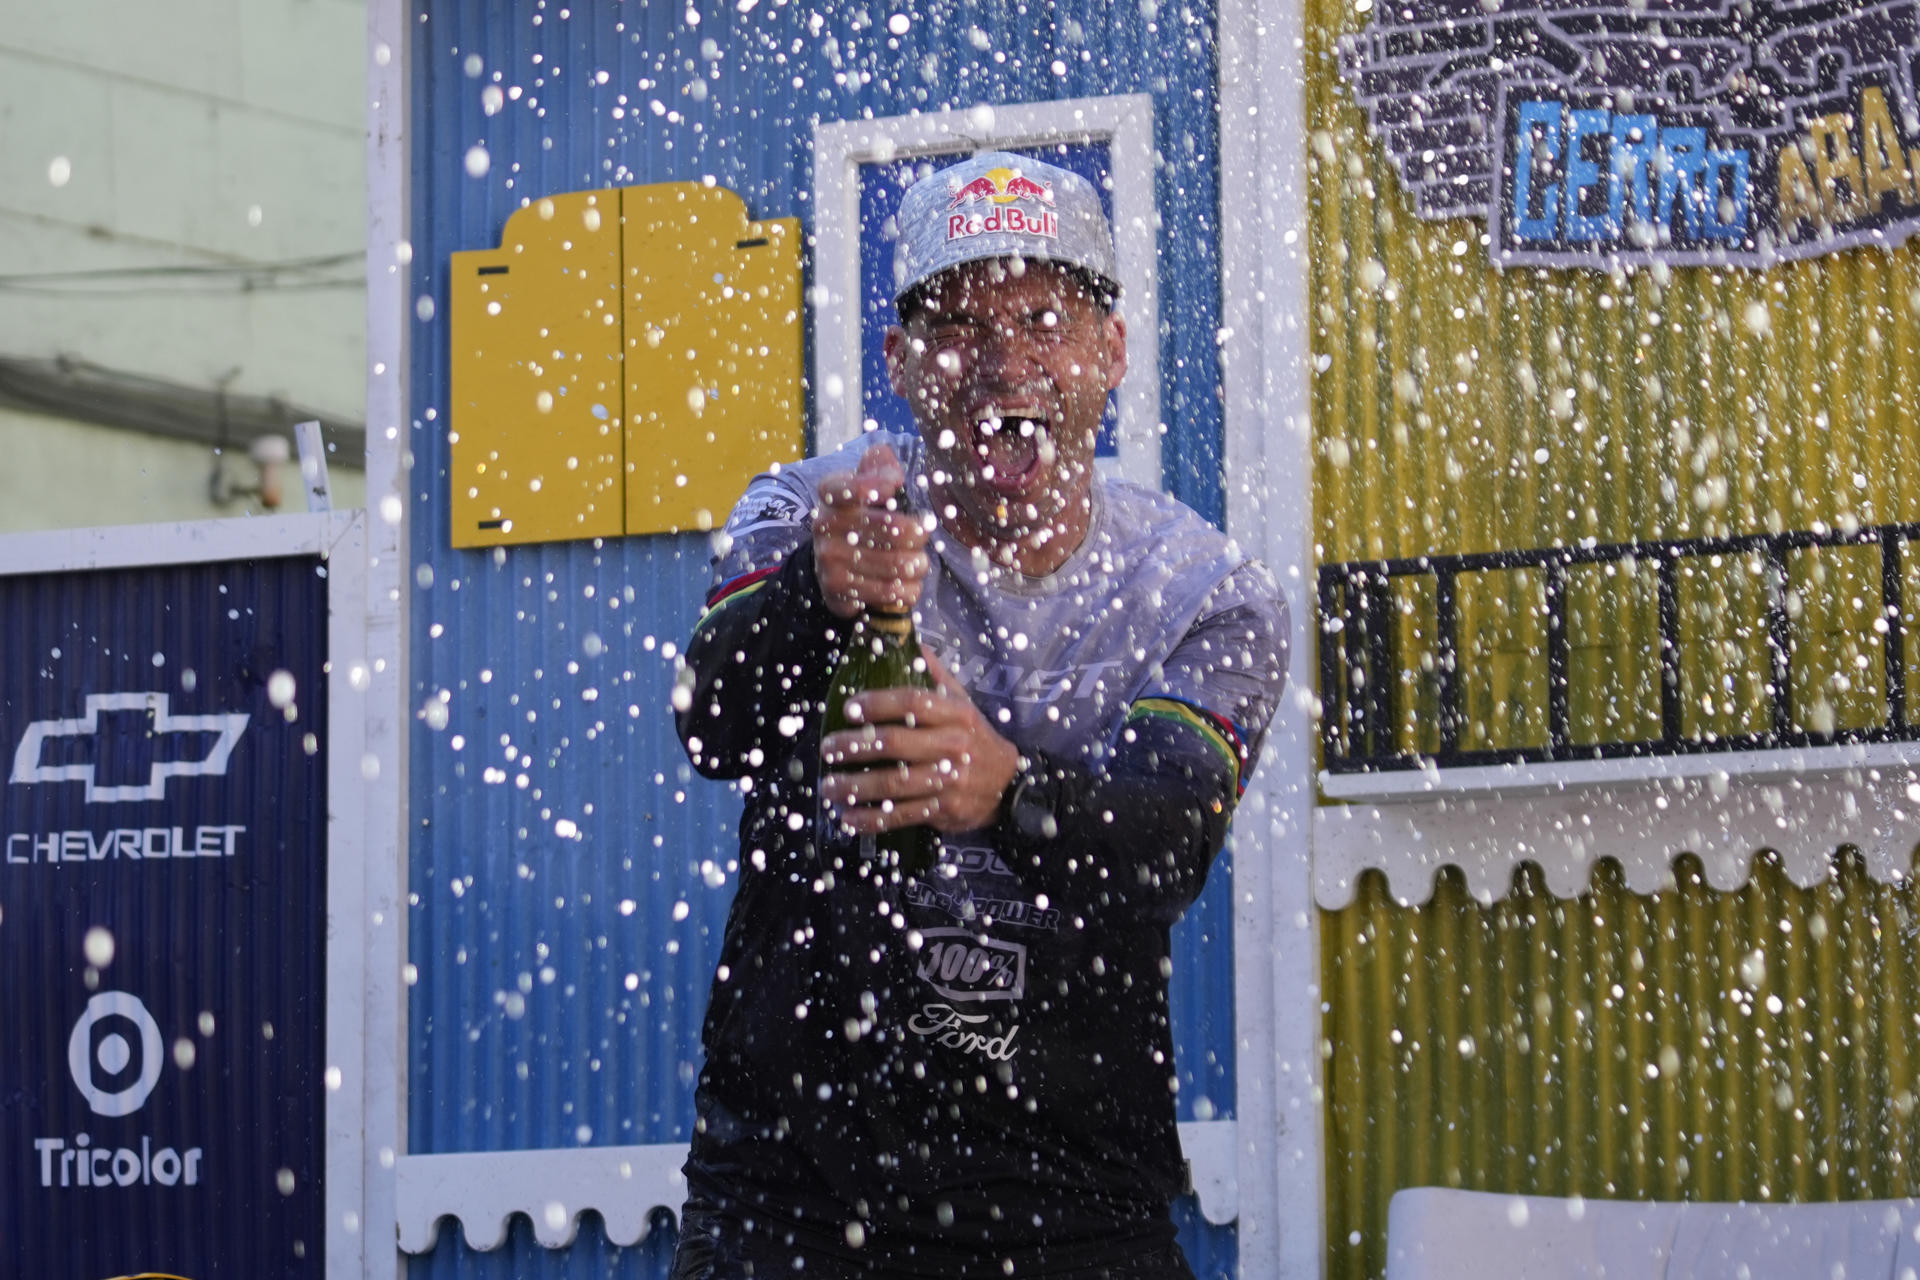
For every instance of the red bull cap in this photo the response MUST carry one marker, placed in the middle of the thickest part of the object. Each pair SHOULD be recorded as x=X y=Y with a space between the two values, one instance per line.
x=998 y=205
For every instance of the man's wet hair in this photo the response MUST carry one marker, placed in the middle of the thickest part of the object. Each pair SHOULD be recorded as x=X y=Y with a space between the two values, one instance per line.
x=1103 y=293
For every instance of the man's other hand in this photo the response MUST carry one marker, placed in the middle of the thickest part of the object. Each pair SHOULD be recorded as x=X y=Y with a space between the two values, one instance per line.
x=935 y=760
x=863 y=554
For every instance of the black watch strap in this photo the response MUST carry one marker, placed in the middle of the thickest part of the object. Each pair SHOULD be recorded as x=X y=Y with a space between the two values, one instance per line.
x=1030 y=814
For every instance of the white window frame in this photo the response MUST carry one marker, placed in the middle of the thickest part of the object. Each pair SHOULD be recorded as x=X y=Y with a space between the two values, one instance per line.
x=1800 y=809
x=388 y=582
x=358 y=984
x=1433 y=783
x=1123 y=121
x=1266 y=365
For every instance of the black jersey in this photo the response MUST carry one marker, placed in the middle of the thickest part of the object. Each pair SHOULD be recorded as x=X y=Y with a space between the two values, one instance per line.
x=972 y=1070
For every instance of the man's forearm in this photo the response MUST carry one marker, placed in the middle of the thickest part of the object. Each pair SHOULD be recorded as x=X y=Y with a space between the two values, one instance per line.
x=1137 y=834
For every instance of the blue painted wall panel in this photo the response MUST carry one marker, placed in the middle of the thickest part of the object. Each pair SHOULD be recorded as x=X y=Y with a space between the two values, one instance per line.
x=564 y=927
x=570 y=881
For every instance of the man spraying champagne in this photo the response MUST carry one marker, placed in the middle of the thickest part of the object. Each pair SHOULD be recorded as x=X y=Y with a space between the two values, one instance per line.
x=968 y=1072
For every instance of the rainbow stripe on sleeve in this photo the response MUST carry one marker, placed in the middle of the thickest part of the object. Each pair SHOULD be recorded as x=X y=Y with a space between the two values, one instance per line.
x=1219 y=732
x=735 y=589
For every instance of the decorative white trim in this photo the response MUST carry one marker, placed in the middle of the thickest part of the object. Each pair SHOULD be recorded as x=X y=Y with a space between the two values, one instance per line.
x=1439 y=1233
x=1212 y=1151
x=1267 y=361
x=351 y=974
x=1527 y=779
x=382 y=769
x=482 y=1190
x=135 y=546
x=1123 y=121
x=1724 y=819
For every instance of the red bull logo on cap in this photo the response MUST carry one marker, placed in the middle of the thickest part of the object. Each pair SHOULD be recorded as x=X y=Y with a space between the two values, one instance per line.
x=1001 y=186
x=1003 y=191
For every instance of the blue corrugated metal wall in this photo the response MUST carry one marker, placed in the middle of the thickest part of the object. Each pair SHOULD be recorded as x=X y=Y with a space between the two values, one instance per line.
x=569 y=882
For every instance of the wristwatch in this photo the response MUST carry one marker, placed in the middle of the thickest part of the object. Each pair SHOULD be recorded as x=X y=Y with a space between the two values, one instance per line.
x=1030 y=802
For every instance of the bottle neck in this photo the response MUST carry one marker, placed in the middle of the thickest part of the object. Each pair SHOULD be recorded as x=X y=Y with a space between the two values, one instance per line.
x=890 y=626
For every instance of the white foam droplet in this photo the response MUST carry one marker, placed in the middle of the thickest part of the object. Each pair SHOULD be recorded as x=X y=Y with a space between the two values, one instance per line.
x=98 y=947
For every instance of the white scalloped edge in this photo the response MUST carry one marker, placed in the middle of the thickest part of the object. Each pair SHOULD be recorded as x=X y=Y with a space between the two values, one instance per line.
x=482 y=1190
x=1643 y=825
x=1435 y=1233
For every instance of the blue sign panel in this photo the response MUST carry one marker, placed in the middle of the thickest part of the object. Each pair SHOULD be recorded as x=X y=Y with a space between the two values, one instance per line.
x=162 y=921
x=1685 y=131
x=881 y=187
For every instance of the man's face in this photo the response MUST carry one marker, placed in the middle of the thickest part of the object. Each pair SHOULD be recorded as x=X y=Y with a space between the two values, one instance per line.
x=1007 y=366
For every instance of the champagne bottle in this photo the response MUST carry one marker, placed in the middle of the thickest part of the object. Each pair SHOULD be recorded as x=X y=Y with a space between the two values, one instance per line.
x=883 y=652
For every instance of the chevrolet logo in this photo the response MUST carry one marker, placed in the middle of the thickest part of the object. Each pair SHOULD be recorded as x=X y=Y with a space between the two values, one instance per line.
x=28 y=769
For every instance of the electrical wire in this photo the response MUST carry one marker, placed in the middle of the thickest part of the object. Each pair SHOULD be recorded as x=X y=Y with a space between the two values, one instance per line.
x=191 y=268
x=174 y=291
x=69 y=387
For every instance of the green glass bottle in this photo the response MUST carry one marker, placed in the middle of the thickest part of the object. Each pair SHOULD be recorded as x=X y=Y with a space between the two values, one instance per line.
x=883 y=652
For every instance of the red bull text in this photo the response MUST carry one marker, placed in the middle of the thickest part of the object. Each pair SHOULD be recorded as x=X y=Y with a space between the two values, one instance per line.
x=1044 y=222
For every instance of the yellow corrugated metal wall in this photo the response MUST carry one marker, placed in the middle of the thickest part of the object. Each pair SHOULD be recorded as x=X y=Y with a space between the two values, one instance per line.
x=1688 y=1045
x=1459 y=408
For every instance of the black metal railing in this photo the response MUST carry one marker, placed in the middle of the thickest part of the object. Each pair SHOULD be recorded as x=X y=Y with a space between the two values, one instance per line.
x=1364 y=678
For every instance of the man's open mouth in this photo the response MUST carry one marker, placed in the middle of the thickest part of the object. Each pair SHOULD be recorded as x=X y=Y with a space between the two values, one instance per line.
x=1010 y=448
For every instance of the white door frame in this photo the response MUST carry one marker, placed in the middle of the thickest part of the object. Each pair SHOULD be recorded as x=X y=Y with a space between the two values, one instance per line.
x=1266 y=359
